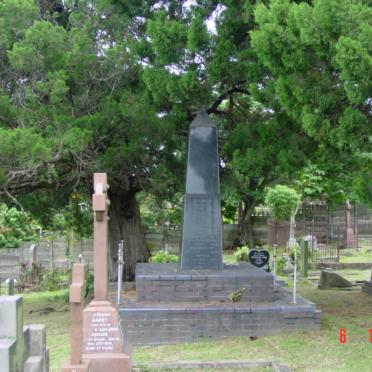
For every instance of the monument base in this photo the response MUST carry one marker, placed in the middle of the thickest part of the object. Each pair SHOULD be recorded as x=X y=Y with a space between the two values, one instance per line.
x=168 y=323
x=103 y=342
x=167 y=282
x=176 y=305
x=83 y=367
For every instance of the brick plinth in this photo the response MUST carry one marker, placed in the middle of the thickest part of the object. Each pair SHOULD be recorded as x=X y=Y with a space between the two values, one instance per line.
x=164 y=323
x=165 y=282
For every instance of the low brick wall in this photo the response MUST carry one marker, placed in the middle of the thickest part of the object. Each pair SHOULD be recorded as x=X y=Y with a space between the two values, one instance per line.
x=146 y=325
x=164 y=282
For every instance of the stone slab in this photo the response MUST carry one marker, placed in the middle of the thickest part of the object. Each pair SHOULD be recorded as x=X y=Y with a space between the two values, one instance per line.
x=11 y=321
x=110 y=362
x=36 y=339
x=33 y=364
x=168 y=283
x=7 y=349
x=367 y=289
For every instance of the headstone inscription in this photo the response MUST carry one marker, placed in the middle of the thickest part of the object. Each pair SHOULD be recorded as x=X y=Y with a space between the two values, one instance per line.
x=259 y=259
x=201 y=246
x=102 y=339
x=77 y=292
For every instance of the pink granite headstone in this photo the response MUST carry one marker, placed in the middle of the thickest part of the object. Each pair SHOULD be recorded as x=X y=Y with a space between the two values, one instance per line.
x=77 y=292
x=102 y=339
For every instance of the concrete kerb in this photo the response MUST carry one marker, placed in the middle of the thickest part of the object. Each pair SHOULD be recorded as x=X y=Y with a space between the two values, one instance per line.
x=218 y=364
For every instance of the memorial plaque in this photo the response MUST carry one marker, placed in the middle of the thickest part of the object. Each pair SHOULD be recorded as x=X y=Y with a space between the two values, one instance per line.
x=259 y=258
x=202 y=228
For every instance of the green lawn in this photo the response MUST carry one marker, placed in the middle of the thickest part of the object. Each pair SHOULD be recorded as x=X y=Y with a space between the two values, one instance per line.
x=51 y=309
x=302 y=351
x=352 y=255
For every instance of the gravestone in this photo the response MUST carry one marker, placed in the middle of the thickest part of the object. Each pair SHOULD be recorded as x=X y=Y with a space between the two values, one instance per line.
x=77 y=292
x=22 y=348
x=259 y=258
x=102 y=340
x=201 y=246
x=9 y=283
x=330 y=279
x=191 y=301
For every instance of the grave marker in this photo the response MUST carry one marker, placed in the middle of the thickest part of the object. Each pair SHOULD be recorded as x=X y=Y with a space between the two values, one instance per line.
x=259 y=259
x=102 y=339
x=201 y=246
x=77 y=292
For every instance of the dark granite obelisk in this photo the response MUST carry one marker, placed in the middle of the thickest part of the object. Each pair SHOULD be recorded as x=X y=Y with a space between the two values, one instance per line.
x=202 y=228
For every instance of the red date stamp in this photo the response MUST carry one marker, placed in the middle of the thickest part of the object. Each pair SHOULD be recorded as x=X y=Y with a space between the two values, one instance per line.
x=342 y=335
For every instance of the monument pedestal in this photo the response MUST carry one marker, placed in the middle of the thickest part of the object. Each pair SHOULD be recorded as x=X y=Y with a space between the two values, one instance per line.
x=167 y=282
x=102 y=341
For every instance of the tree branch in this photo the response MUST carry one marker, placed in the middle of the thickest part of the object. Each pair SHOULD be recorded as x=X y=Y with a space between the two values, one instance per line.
x=235 y=89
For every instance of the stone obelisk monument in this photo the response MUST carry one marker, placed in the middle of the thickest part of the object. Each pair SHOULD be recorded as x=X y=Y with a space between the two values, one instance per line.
x=202 y=228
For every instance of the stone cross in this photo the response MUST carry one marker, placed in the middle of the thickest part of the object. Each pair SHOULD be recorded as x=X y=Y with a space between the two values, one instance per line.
x=100 y=208
x=77 y=293
x=102 y=340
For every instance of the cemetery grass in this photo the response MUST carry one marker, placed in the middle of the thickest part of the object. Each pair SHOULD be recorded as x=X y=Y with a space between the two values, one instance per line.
x=51 y=309
x=302 y=351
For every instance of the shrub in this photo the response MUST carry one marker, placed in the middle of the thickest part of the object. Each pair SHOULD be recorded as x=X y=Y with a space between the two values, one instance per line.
x=241 y=254
x=282 y=202
x=15 y=226
x=55 y=279
x=163 y=257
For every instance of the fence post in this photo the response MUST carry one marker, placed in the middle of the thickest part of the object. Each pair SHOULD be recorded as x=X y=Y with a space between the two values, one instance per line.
x=51 y=254
x=20 y=250
x=33 y=255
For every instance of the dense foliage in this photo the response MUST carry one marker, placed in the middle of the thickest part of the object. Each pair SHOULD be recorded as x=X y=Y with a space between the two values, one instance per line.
x=15 y=227
x=282 y=201
x=111 y=86
x=163 y=257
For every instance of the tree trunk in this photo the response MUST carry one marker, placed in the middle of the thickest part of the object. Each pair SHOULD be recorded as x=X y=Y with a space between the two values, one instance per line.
x=245 y=223
x=125 y=224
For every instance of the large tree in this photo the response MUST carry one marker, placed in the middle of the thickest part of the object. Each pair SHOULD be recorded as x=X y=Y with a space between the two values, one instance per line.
x=72 y=103
x=318 y=54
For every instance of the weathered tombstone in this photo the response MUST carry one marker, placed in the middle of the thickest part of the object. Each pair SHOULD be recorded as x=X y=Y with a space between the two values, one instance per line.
x=21 y=348
x=10 y=286
x=201 y=246
x=102 y=339
x=330 y=279
x=304 y=258
x=77 y=292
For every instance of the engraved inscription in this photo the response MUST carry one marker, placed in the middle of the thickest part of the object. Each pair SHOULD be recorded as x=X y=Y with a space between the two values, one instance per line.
x=103 y=335
x=202 y=233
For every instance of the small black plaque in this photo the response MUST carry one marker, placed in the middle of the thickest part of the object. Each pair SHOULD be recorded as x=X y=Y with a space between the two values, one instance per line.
x=259 y=258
